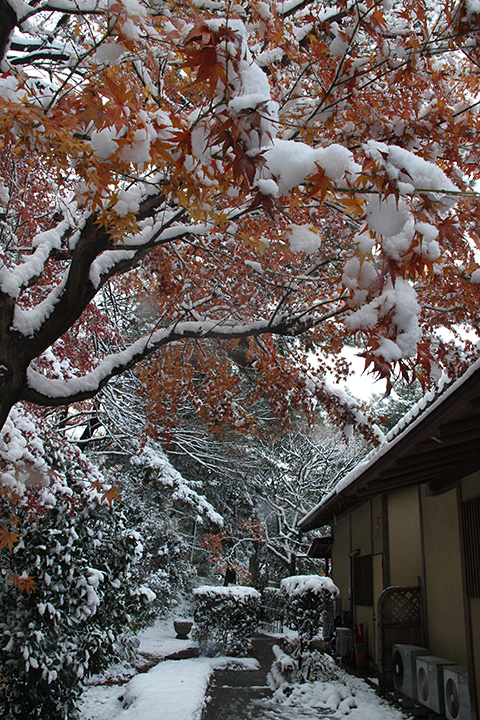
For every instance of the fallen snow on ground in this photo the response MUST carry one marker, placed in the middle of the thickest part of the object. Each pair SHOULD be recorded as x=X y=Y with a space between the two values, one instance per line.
x=331 y=693
x=349 y=699
x=171 y=690
x=176 y=689
x=159 y=640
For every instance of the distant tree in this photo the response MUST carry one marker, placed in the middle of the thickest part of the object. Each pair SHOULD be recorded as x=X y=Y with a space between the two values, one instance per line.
x=390 y=410
x=292 y=473
x=301 y=468
x=164 y=509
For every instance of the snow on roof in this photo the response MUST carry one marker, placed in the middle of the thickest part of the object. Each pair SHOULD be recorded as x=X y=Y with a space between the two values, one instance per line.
x=417 y=414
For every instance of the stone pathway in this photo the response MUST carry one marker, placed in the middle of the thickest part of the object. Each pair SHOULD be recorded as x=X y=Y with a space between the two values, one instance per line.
x=233 y=692
x=245 y=694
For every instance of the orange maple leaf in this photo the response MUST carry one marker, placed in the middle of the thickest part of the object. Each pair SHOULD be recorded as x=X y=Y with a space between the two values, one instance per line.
x=97 y=485
x=25 y=584
x=322 y=185
x=354 y=206
x=8 y=538
x=111 y=494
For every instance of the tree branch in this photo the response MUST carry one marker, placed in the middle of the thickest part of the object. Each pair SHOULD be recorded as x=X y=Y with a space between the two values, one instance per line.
x=79 y=289
x=53 y=393
x=9 y=22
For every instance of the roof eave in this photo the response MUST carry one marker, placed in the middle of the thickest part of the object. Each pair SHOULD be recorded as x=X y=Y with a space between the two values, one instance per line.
x=423 y=427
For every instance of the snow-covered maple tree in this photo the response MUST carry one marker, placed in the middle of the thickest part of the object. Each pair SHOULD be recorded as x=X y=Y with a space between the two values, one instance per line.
x=235 y=173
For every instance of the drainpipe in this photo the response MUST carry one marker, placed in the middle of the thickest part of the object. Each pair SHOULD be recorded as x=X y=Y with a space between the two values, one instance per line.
x=353 y=607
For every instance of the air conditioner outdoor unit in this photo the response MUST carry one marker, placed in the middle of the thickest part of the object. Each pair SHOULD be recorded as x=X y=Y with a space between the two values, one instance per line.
x=405 y=669
x=457 y=697
x=430 y=682
x=343 y=642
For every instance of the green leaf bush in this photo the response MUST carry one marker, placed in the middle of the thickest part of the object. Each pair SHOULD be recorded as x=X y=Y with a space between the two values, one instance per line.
x=225 y=618
x=69 y=590
x=306 y=598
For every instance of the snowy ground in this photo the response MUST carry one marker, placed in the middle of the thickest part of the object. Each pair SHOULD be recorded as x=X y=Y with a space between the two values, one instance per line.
x=352 y=699
x=176 y=689
x=170 y=690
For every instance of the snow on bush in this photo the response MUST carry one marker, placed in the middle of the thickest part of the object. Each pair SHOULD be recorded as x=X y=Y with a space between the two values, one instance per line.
x=306 y=602
x=157 y=502
x=68 y=583
x=330 y=692
x=284 y=668
x=325 y=698
x=315 y=666
x=225 y=618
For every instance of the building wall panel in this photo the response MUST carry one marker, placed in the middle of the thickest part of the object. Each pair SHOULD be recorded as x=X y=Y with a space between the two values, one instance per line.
x=404 y=535
x=446 y=623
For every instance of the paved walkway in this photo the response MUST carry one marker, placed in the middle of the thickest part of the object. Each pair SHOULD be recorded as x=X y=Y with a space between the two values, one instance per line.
x=233 y=692
x=245 y=695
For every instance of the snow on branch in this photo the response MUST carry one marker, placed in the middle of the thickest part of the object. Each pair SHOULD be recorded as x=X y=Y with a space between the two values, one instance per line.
x=249 y=163
x=51 y=392
x=74 y=7
x=94 y=269
x=153 y=457
x=15 y=280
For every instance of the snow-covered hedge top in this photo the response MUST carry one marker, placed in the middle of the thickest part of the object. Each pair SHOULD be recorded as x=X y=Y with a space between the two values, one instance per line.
x=238 y=591
x=301 y=584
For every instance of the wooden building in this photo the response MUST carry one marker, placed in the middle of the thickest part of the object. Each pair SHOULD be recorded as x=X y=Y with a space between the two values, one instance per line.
x=408 y=519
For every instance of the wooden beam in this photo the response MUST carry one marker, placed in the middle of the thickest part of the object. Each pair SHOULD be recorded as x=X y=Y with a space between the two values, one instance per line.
x=430 y=462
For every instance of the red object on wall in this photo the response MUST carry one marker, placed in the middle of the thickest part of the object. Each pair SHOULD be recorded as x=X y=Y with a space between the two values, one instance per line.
x=359 y=634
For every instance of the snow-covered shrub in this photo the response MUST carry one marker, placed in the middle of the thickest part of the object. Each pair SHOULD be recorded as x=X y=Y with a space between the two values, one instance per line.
x=68 y=584
x=314 y=666
x=319 y=666
x=163 y=507
x=306 y=598
x=284 y=668
x=225 y=618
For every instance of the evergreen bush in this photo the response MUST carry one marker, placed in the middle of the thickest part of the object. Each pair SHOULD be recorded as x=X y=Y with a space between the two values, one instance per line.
x=69 y=589
x=76 y=618
x=306 y=598
x=225 y=618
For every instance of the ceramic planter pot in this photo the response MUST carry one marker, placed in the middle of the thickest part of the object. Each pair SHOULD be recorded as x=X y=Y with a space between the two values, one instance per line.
x=182 y=628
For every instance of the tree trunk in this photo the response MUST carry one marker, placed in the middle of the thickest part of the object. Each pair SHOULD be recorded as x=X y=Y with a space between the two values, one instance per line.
x=9 y=21
x=13 y=359
x=253 y=566
x=12 y=380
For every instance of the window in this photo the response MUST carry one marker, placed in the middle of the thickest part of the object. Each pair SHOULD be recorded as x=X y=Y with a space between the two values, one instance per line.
x=471 y=543
x=363 y=580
